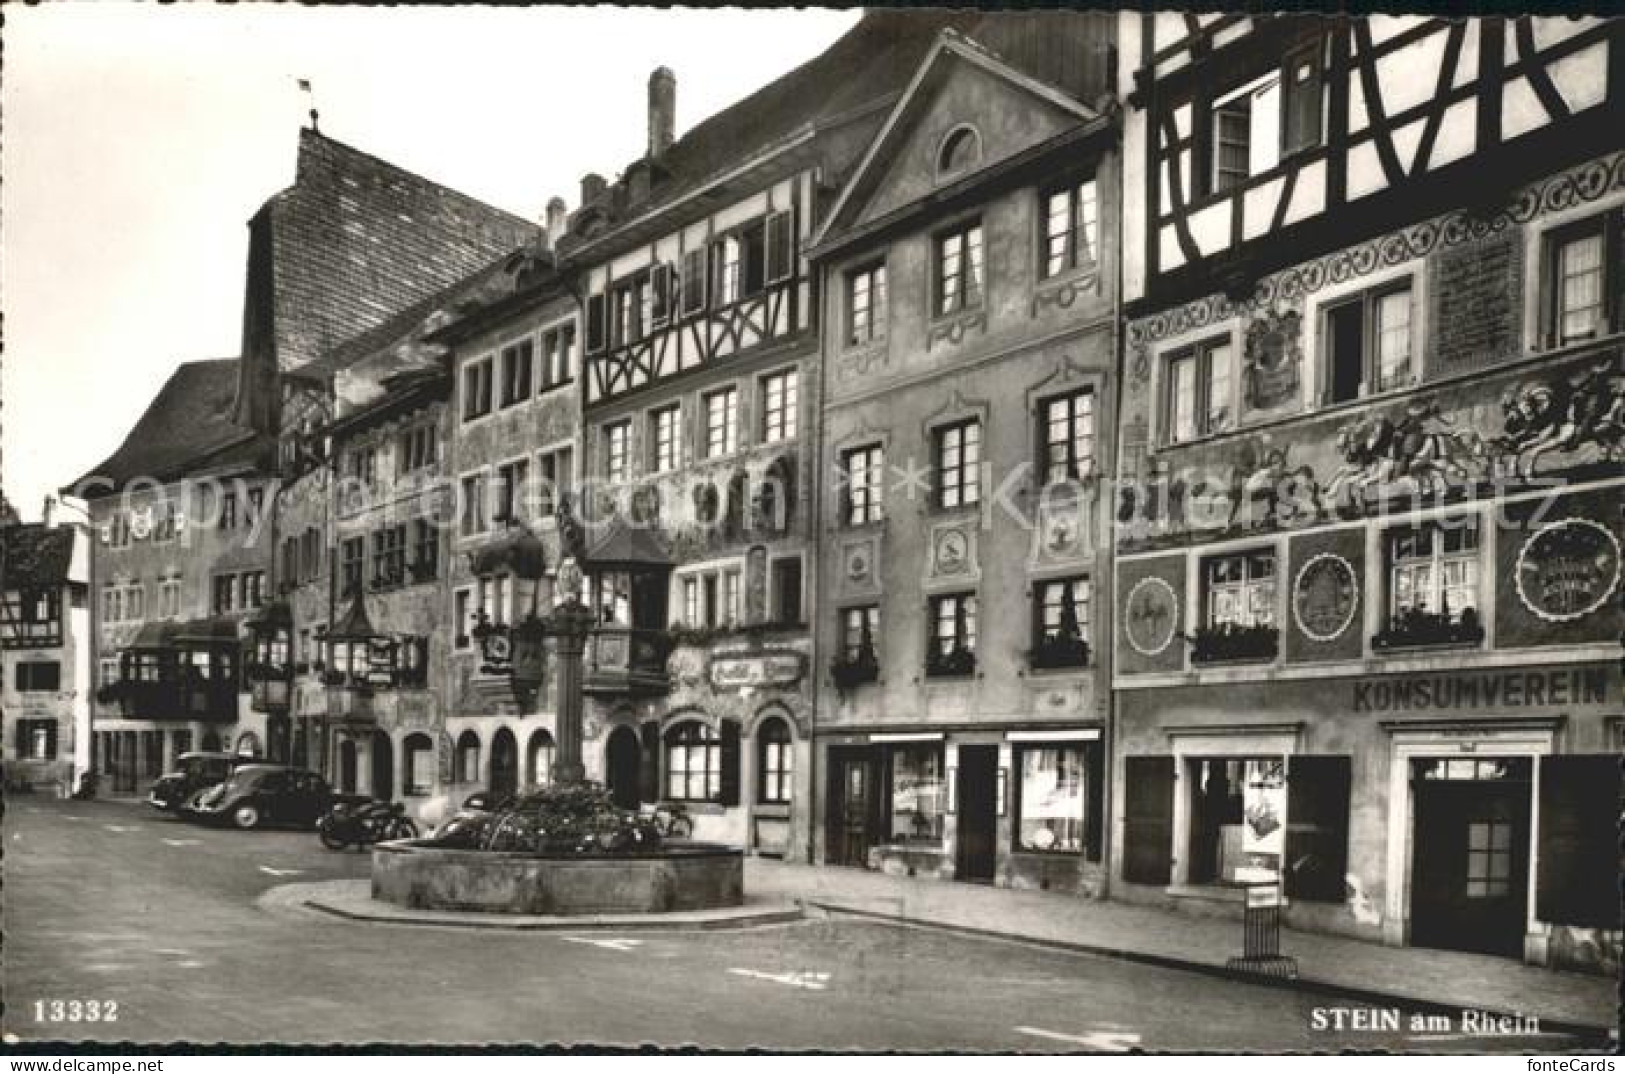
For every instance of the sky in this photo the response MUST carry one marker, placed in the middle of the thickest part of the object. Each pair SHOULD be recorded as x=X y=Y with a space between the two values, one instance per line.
x=139 y=139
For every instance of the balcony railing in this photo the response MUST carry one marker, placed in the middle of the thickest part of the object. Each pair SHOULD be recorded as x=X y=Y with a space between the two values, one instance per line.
x=626 y=660
x=168 y=699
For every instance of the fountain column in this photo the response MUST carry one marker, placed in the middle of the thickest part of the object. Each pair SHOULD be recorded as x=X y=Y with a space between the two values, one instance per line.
x=568 y=623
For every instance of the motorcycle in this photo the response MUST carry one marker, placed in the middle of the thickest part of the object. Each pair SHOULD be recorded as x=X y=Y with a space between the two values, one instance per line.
x=363 y=824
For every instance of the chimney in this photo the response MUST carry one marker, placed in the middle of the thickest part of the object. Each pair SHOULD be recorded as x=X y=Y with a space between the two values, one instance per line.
x=592 y=188
x=662 y=111
x=48 y=511
x=556 y=220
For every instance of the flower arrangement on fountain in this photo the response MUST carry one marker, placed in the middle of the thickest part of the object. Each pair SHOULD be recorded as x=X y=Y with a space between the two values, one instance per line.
x=559 y=819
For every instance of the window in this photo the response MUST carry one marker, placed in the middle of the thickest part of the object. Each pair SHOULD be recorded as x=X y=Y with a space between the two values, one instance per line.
x=693 y=763
x=959 y=464
x=1061 y=616
x=477 y=389
x=310 y=553
x=112 y=604
x=36 y=740
x=517 y=360
x=781 y=246
x=1067 y=451
x=468 y=758
x=616 y=437
x=256 y=505
x=558 y=356
x=959 y=269
x=692 y=290
x=39 y=676
x=953 y=635
x=1434 y=569
x=472 y=519
x=629 y=313
x=662 y=293
x=389 y=557
x=732 y=610
x=418 y=450
x=253 y=588
x=786 y=592
x=1239 y=590
x=1582 y=267
x=1051 y=798
x=665 y=431
x=596 y=334
x=726 y=256
x=228 y=511
x=462 y=618
x=135 y=601
x=543 y=753
x=721 y=423
x=169 y=599
x=353 y=551
x=708 y=587
x=866 y=305
x=775 y=762
x=425 y=550
x=420 y=765
x=864 y=471
x=918 y=793
x=1197 y=391
x=557 y=469
x=1251 y=127
x=1368 y=342
x=1071 y=229
x=225 y=591
x=779 y=403
x=1221 y=789
x=513 y=480
x=961 y=149
x=860 y=633
x=691 y=602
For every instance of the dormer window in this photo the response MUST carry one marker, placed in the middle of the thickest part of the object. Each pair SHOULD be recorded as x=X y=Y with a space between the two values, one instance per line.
x=960 y=150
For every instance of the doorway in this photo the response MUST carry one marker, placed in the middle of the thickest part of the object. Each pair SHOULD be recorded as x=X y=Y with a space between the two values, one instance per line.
x=1470 y=853
x=621 y=762
x=347 y=766
x=977 y=787
x=383 y=766
x=854 y=806
x=504 y=764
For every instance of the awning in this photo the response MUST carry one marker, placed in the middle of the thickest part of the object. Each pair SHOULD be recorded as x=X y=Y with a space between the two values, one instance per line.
x=626 y=546
x=159 y=635
x=523 y=554
x=215 y=630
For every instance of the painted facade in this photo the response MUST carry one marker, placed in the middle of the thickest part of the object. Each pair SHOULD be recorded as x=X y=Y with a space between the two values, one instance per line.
x=1367 y=524
x=46 y=680
x=969 y=347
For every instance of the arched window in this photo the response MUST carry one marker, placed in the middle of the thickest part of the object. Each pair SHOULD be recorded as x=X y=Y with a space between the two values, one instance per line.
x=693 y=762
x=418 y=753
x=248 y=744
x=775 y=761
x=542 y=753
x=961 y=149
x=468 y=757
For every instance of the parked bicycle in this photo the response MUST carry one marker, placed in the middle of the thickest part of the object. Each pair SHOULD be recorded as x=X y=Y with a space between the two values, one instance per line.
x=673 y=820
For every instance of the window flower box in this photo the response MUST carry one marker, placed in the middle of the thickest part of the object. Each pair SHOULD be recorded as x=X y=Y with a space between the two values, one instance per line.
x=850 y=672
x=958 y=662
x=1415 y=628
x=1059 y=650
x=1227 y=643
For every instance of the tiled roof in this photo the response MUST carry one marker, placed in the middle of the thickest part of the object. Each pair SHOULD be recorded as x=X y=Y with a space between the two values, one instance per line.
x=36 y=555
x=867 y=66
x=357 y=240
x=188 y=423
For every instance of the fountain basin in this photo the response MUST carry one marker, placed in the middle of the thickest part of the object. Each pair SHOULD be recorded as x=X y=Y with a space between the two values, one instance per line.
x=689 y=876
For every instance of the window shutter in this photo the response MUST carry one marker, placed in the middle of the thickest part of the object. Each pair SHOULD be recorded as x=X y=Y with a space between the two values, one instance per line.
x=1094 y=756
x=649 y=770
x=1148 y=819
x=1317 y=834
x=660 y=285
x=595 y=324
x=1577 y=850
x=50 y=741
x=781 y=242
x=21 y=730
x=1301 y=81
x=730 y=763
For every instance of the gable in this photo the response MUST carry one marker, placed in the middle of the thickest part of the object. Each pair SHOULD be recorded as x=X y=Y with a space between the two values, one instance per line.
x=1008 y=118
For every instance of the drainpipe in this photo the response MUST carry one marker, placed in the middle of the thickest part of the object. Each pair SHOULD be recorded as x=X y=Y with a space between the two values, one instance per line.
x=1108 y=650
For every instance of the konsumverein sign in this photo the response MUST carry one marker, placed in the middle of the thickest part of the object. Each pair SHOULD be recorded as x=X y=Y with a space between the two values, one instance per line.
x=1484 y=690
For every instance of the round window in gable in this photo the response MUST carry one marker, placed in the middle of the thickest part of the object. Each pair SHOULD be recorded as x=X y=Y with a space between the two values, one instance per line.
x=961 y=149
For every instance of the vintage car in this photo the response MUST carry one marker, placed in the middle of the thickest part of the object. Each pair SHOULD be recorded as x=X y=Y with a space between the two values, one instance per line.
x=268 y=794
x=194 y=772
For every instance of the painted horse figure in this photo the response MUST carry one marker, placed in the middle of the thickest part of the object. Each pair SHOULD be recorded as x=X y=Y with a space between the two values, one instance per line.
x=1561 y=415
x=1383 y=452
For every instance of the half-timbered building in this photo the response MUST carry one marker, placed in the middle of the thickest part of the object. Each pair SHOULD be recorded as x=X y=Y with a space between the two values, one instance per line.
x=1368 y=525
